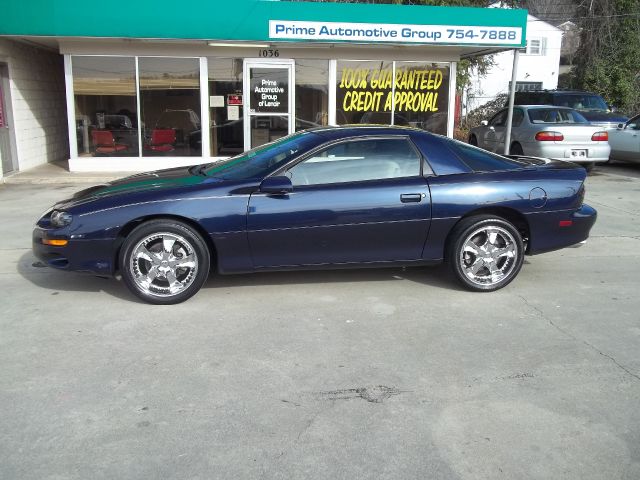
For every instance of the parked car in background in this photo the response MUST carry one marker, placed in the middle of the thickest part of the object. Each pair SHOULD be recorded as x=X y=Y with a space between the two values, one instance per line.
x=331 y=197
x=591 y=105
x=544 y=131
x=625 y=141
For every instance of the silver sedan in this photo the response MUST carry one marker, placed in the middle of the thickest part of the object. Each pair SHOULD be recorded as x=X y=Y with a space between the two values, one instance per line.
x=625 y=141
x=545 y=131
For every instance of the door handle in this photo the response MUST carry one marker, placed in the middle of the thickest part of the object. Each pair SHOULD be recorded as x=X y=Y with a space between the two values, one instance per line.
x=410 y=197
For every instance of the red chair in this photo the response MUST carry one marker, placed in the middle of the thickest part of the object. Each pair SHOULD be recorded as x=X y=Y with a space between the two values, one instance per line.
x=104 y=143
x=162 y=140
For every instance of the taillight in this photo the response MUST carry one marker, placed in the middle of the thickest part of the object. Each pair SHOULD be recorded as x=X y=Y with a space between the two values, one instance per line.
x=600 y=137
x=549 y=137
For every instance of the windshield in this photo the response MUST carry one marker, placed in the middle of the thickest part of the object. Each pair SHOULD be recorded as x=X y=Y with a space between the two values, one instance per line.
x=581 y=102
x=258 y=162
x=555 y=115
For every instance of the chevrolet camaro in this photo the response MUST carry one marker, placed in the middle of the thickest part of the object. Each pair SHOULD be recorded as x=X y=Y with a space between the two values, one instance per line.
x=331 y=197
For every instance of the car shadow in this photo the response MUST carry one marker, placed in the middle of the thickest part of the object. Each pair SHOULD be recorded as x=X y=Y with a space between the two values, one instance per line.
x=436 y=276
x=615 y=167
x=55 y=281
x=47 y=278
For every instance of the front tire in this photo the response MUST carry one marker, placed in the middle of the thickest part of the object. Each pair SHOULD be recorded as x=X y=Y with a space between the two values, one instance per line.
x=486 y=252
x=473 y=140
x=164 y=262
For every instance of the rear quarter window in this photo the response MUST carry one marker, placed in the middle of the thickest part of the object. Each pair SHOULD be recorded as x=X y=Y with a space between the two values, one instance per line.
x=480 y=160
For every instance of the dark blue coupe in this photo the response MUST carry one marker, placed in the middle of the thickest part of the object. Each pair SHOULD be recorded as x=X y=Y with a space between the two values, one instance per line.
x=322 y=198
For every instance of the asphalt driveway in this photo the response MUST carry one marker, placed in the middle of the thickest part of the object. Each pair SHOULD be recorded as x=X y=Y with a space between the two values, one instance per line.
x=380 y=374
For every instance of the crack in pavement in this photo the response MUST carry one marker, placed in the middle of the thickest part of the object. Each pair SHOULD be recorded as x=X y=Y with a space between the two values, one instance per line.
x=613 y=208
x=615 y=236
x=311 y=421
x=570 y=335
x=374 y=394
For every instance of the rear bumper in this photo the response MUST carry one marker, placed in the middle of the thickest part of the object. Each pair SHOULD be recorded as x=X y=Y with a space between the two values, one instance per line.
x=573 y=153
x=556 y=230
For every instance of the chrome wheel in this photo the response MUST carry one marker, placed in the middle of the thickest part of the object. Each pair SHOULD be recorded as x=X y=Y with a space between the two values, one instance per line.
x=488 y=255
x=163 y=264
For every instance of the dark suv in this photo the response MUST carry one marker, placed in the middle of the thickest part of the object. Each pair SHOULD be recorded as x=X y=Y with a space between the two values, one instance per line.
x=592 y=106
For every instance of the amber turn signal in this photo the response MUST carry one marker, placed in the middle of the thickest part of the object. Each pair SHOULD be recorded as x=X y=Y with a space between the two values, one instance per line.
x=54 y=242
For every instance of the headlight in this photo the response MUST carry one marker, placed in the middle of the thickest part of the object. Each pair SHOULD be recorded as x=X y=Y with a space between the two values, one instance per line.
x=60 y=219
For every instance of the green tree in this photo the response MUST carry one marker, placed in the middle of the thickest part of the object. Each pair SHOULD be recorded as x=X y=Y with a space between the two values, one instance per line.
x=608 y=59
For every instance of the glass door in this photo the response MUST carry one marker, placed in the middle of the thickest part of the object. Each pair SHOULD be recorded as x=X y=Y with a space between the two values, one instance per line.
x=269 y=98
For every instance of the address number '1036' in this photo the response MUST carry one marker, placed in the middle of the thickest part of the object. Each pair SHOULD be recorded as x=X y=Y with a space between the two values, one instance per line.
x=269 y=53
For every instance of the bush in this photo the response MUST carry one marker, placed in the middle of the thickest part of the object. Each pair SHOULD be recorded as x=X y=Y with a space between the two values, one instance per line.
x=483 y=112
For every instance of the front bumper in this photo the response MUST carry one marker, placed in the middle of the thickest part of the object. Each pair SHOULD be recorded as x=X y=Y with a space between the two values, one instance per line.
x=92 y=256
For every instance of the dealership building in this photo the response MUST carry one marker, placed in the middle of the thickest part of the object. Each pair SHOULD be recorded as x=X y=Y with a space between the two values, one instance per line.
x=151 y=85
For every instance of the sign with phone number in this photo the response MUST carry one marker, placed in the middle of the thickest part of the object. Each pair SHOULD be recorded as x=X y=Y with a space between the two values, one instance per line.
x=383 y=32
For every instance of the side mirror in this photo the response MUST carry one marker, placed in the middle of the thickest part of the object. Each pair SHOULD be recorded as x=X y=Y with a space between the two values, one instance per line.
x=484 y=123
x=620 y=126
x=279 y=185
x=612 y=108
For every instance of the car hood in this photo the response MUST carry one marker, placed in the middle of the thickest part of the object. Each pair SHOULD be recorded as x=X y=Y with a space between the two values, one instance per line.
x=143 y=182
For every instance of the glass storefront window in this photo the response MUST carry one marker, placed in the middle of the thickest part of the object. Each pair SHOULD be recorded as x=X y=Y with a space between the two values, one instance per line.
x=226 y=104
x=265 y=129
x=106 y=101
x=363 y=92
x=312 y=93
x=105 y=106
x=422 y=96
x=170 y=106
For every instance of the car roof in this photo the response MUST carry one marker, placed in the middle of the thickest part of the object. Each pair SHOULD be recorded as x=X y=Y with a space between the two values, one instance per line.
x=344 y=131
x=364 y=126
x=574 y=92
x=539 y=107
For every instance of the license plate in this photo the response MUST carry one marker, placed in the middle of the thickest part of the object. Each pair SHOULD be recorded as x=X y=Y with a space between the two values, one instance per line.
x=579 y=154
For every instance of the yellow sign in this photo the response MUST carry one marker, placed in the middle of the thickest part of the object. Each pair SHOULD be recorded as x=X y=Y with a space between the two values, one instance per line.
x=370 y=90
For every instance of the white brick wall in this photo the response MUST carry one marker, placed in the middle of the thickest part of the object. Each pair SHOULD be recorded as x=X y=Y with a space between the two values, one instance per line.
x=38 y=100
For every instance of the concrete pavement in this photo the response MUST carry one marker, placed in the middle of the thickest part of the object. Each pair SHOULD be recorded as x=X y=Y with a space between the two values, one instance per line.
x=381 y=374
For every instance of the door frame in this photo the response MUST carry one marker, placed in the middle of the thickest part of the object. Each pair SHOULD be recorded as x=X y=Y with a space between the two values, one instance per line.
x=250 y=63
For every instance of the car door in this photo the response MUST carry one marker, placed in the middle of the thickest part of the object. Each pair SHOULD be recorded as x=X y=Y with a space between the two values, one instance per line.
x=625 y=143
x=494 y=133
x=356 y=201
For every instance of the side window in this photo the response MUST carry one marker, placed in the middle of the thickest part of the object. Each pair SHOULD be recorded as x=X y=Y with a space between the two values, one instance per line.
x=518 y=115
x=356 y=161
x=499 y=119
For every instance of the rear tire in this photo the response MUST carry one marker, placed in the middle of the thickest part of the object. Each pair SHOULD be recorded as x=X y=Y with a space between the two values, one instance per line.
x=588 y=166
x=164 y=262
x=473 y=140
x=485 y=252
x=516 y=149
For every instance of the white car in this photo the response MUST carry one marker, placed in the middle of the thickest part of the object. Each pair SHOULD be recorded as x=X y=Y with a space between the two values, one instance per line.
x=546 y=131
x=625 y=141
